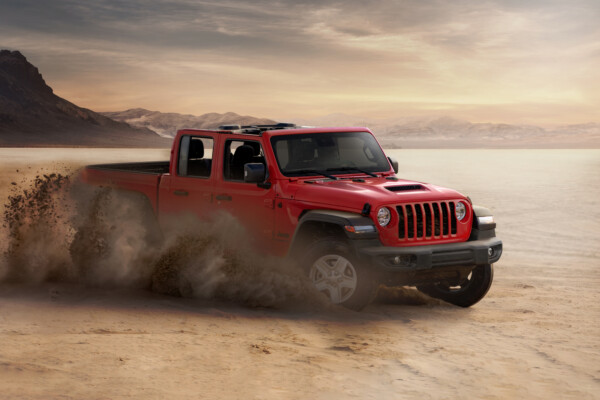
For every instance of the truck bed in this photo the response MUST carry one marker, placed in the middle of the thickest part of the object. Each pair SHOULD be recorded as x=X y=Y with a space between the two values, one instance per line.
x=141 y=177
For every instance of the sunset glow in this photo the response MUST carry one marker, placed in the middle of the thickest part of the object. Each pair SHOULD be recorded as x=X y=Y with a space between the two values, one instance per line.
x=500 y=61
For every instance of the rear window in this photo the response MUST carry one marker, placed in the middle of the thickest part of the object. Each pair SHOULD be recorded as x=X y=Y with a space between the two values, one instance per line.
x=195 y=156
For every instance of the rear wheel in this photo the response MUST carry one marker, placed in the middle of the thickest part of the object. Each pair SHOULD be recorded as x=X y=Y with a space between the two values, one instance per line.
x=466 y=292
x=336 y=272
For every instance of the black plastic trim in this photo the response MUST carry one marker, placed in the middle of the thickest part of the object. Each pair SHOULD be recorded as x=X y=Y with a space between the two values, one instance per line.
x=341 y=219
x=469 y=253
x=484 y=231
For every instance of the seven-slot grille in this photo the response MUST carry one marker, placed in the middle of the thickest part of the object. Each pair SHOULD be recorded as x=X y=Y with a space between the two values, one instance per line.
x=426 y=220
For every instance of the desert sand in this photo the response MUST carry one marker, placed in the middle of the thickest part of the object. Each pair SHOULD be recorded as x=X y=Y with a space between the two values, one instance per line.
x=535 y=336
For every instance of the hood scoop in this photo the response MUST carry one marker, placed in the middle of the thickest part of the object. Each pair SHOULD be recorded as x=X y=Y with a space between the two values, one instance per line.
x=405 y=188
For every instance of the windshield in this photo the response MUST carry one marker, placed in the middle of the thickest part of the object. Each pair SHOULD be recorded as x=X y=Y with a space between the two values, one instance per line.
x=331 y=152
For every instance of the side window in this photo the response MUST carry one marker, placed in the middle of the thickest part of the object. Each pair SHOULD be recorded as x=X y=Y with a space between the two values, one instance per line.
x=195 y=156
x=237 y=154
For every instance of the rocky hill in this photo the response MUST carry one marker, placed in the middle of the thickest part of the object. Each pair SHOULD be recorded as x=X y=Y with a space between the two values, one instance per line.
x=32 y=115
x=167 y=124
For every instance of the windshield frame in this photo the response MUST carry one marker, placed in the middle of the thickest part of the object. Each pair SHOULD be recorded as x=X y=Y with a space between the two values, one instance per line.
x=382 y=166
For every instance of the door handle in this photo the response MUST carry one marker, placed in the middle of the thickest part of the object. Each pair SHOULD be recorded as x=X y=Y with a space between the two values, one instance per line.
x=180 y=193
x=224 y=197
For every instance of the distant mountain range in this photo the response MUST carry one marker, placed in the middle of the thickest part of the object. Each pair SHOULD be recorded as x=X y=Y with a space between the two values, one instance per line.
x=447 y=132
x=167 y=124
x=32 y=115
x=410 y=132
x=422 y=132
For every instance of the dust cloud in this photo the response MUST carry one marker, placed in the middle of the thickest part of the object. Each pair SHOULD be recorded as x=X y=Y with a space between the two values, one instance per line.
x=57 y=229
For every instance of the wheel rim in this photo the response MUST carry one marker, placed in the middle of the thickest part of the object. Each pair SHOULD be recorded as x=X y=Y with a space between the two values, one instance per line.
x=335 y=276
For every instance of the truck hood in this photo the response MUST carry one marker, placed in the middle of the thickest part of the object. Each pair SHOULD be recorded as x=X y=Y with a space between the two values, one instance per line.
x=354 y=193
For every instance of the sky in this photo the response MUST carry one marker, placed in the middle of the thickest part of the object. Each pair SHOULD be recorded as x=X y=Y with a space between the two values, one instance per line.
x=513 y=61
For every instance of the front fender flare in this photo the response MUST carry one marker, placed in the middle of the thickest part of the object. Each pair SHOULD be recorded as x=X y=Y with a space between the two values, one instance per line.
x=353 y=226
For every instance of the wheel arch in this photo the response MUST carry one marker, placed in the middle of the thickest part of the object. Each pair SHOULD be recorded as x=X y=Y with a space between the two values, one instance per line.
x=147 y=212
x=316 y=224
x=484 y=231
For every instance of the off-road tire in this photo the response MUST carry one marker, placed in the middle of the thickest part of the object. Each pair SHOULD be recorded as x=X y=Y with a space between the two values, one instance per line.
x=466 y=293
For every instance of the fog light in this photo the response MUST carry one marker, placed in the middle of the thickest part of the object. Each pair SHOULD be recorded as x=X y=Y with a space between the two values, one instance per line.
x=490 y=252
x=402 y=260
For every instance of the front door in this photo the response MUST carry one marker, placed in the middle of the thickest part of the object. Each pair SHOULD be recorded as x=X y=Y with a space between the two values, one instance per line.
x=250 y=203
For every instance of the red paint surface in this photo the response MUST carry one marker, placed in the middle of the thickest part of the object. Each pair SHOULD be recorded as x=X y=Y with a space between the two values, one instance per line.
x=271 y=215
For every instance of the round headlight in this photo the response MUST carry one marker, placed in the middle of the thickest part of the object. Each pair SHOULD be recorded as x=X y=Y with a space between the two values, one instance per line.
x=460 y=211
x=383 y=216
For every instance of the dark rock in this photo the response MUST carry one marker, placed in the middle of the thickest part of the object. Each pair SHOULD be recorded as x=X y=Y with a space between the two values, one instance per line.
x=32 y=115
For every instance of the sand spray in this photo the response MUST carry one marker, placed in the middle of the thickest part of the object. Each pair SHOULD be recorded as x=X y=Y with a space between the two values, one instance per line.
x=58 y=229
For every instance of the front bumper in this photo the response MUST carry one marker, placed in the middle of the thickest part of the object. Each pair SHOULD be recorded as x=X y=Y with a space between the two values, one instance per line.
x=433 y=257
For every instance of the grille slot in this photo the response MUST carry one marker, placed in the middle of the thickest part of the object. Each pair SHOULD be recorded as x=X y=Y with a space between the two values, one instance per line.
x=445 y=215
x=426 y=220
x=428 y=225
x=401 y=223
x=411 y=221
x=453 y=221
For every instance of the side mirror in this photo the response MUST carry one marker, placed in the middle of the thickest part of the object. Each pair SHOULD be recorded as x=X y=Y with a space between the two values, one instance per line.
x=394 y=164
x=254 y=173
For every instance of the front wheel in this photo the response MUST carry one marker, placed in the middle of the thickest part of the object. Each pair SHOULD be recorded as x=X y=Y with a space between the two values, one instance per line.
x=466 y=292
x=336 y=272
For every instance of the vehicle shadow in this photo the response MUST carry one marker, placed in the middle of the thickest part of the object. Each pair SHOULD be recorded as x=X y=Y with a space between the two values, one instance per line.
x=390 y=304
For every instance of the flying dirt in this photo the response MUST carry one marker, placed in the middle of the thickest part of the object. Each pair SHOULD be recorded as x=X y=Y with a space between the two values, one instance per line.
x=61 y=230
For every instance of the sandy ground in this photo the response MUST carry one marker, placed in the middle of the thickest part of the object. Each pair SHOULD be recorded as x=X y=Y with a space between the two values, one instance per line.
x=536 y=335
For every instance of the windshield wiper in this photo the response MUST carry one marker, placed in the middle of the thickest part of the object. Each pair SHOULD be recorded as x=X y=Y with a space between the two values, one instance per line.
x=352 y=169
x=311 y=171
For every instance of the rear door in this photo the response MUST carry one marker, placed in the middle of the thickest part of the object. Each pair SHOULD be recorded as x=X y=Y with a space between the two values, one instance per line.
x=190 y=188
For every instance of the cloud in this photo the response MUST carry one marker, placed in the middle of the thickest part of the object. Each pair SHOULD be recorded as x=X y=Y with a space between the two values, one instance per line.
x=314 y=57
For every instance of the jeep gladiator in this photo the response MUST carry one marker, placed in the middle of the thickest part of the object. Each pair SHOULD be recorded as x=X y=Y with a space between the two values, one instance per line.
x=328 y=199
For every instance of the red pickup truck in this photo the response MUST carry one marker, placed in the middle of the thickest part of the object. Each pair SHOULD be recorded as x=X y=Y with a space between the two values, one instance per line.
x=329 y=199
